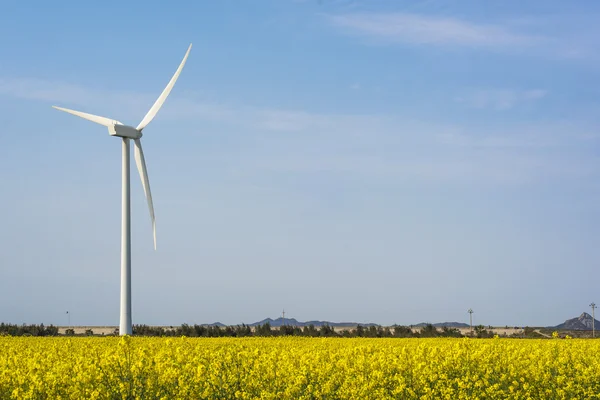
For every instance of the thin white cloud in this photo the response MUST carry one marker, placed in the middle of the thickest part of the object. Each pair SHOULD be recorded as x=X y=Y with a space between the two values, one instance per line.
x=500 y=99
x=429 y=30
x=39 y=89
x=302 y=121
x=279 y=120
x=126 y=106
x=522 y=136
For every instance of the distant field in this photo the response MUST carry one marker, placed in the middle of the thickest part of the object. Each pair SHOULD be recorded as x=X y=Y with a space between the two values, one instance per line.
x=297 y=368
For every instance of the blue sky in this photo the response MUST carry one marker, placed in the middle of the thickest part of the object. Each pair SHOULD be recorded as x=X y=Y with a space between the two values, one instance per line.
x=368 y=161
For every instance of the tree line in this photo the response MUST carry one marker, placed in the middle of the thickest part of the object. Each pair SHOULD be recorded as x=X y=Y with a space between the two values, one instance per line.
x=263 y=330
x=289 y=330
x=28 y=330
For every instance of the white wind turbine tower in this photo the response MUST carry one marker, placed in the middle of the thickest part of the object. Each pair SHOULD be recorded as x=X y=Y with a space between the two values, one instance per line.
x=126 y=132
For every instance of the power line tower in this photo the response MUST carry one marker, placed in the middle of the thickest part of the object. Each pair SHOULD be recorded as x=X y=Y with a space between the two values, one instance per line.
x=283 y=317
x=593 y=305
x=471 y=319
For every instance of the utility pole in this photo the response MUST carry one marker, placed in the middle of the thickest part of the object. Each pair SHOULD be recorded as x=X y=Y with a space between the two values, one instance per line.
x=471 y=319
x=283 y=317
x=593 y=305
x=68 y=319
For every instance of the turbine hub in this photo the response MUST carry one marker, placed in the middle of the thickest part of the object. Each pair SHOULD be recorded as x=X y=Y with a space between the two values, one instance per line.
x=124 y=131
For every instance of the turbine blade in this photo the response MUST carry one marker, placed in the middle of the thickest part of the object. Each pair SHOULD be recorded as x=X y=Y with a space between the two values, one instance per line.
x=141 y=166
x=91 y=117
x=163 y=96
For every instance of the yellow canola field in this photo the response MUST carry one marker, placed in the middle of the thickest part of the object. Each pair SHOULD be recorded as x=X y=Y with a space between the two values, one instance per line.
x=297 y=368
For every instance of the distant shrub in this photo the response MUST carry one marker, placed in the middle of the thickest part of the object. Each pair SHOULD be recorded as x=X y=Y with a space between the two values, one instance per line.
x=29 y=330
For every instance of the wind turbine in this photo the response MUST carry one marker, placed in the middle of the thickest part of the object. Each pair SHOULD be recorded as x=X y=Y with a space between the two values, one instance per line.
x=126 y=132
x=594 y=306
x=470 y=311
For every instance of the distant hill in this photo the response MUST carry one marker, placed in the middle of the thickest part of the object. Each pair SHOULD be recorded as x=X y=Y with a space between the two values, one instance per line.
x=275 y=323
x=218 y=324
x=443 y=324
x=581 y=323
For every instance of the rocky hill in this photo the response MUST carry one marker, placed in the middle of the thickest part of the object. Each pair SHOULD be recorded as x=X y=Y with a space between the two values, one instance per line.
x=581 y=323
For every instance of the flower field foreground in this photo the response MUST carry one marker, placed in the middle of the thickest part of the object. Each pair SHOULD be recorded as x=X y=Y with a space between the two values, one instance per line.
x=297 y=368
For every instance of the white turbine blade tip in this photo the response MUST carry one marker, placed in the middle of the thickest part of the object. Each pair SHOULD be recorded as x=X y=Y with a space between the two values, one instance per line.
x=165 y=93
x=108 y=122
x=141 y=165
x=154 y=232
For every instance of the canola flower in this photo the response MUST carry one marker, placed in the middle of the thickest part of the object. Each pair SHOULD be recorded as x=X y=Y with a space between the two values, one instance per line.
x=297 y=368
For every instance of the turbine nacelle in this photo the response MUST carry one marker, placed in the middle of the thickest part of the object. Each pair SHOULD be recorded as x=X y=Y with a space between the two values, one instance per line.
x=124 y=131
